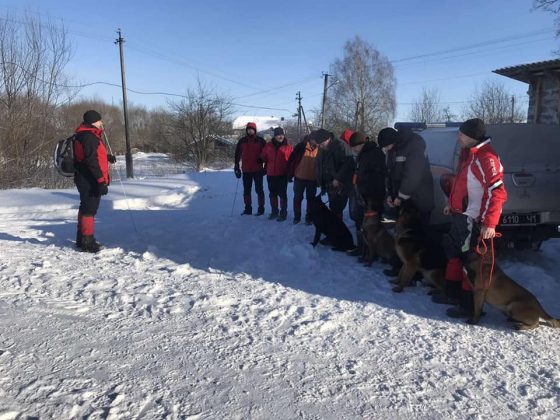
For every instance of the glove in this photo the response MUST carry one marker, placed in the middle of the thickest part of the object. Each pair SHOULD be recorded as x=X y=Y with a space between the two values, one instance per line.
x=263 y=171
x=103 y=190
x=112 y=158
x=237 y=172
x=290 y=179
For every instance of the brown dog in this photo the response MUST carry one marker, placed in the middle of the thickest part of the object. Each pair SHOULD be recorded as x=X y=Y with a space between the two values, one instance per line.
x=520 y=305
x=417 y=251
x=377 y=241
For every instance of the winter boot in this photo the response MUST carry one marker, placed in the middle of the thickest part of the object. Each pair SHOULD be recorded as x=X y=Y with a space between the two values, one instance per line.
x=465 y=308
x=248 y=210
x=359 y=250
x=79 y=237
x=89 y=244
x=308 y=220
x=273 y=215
x=283 y=215
x=296 y=220
x=451 y=295
x=260 y=211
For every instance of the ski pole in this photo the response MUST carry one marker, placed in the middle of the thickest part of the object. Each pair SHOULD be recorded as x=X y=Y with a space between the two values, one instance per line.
x=234 y=197
x=122 y=186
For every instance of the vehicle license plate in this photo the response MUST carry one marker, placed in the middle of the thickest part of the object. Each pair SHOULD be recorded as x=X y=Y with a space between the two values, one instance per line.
x=527 y=219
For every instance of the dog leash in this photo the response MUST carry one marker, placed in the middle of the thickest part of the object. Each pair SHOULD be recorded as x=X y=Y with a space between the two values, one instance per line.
x=482 y=250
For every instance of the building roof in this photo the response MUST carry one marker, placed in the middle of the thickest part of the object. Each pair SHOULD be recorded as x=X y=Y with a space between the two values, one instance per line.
x=525 y=72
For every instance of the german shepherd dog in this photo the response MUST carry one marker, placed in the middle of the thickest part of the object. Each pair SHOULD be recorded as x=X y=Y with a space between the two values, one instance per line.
x=327 y=223
x=417 y=251
x=378 y=242
x=501 y=291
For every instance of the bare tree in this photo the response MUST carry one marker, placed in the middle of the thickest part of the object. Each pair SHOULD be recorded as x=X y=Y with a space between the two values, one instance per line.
x=363 y=96
x=448 y=114
x=494 y=104
x=197 y=122
x=33 y=55
x=552 y=6
x=427 y=108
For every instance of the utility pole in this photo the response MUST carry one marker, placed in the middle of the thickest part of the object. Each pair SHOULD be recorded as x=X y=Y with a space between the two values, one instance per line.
x=298 y=98
x=128 y=155
x=326 y=76
x=300 y=114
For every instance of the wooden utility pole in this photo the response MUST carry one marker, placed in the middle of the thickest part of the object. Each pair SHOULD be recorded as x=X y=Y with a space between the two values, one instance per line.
x=128 y=154
x=323 y=108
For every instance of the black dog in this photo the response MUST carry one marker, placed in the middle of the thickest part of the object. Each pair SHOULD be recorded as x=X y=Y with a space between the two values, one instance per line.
x=327 y=223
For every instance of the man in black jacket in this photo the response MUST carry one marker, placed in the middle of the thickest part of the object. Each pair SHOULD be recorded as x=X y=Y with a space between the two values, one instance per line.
x=91 y=178
x=368 y=183
x=334 y=166
x=409 y=175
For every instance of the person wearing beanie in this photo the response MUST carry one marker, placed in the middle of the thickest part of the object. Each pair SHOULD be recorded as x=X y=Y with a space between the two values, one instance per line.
x=248 y=152
x=368 y=184
x=301 y=168
x=334 y=168
x=475 y=204
x=275 y=156
x=91 y=178
x=409 y=177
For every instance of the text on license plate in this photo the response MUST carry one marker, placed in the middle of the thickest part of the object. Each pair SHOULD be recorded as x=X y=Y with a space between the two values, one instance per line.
x=520 y=219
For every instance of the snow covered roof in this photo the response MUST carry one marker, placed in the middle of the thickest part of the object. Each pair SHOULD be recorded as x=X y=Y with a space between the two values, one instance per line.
x=263 y=123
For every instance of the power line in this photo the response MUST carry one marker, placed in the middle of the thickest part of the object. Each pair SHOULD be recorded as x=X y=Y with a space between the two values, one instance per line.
x=471 y=46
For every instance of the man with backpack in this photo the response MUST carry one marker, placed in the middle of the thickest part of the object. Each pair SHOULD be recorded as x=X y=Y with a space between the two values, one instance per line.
x=91 y=177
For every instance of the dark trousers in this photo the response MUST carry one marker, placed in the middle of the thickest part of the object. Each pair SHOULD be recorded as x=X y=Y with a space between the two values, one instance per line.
x=459 y=245
x=89 y=204
x=248 y=178
x=278 y=188
x=462 y=237
x=89 y=194
x=302 y=186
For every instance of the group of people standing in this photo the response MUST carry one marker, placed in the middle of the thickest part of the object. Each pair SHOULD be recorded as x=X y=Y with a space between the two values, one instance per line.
x=373 y=176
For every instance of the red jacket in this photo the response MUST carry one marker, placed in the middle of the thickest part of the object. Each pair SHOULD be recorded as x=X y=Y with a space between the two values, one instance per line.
x=478 y=189
x=90 y=153
x=249 y=151
x=276 y=156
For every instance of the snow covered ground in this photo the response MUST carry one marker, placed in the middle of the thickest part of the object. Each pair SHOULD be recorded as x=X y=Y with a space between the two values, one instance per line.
x=191 y=312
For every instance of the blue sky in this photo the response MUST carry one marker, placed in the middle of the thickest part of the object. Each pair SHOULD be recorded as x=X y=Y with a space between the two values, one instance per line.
x=262 y=53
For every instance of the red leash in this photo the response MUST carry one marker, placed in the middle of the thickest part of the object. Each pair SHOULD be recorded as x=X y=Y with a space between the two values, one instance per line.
x=482 y=249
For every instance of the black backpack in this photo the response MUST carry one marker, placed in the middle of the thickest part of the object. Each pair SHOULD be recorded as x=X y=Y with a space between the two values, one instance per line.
x=63 y=156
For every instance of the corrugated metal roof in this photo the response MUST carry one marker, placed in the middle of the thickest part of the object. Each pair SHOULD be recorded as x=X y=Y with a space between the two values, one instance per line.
x=523 y=72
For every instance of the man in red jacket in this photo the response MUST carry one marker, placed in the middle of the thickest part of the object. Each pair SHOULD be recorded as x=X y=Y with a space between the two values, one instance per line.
x=91 y=177
x=248 y=151
x=275 y=156
x=475 y=204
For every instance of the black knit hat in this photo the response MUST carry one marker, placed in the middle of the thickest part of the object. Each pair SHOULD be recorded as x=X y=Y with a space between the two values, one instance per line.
x=474 y=128
x=357 y=138
x=278 y=131
x=321 y=135
x=91 y=116
x=387 y=136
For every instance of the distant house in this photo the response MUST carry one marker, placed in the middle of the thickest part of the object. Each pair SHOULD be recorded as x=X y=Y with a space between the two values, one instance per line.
x=544 y=89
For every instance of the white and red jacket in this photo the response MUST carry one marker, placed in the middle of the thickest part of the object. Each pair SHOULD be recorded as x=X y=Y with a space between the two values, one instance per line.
x=478 y=189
